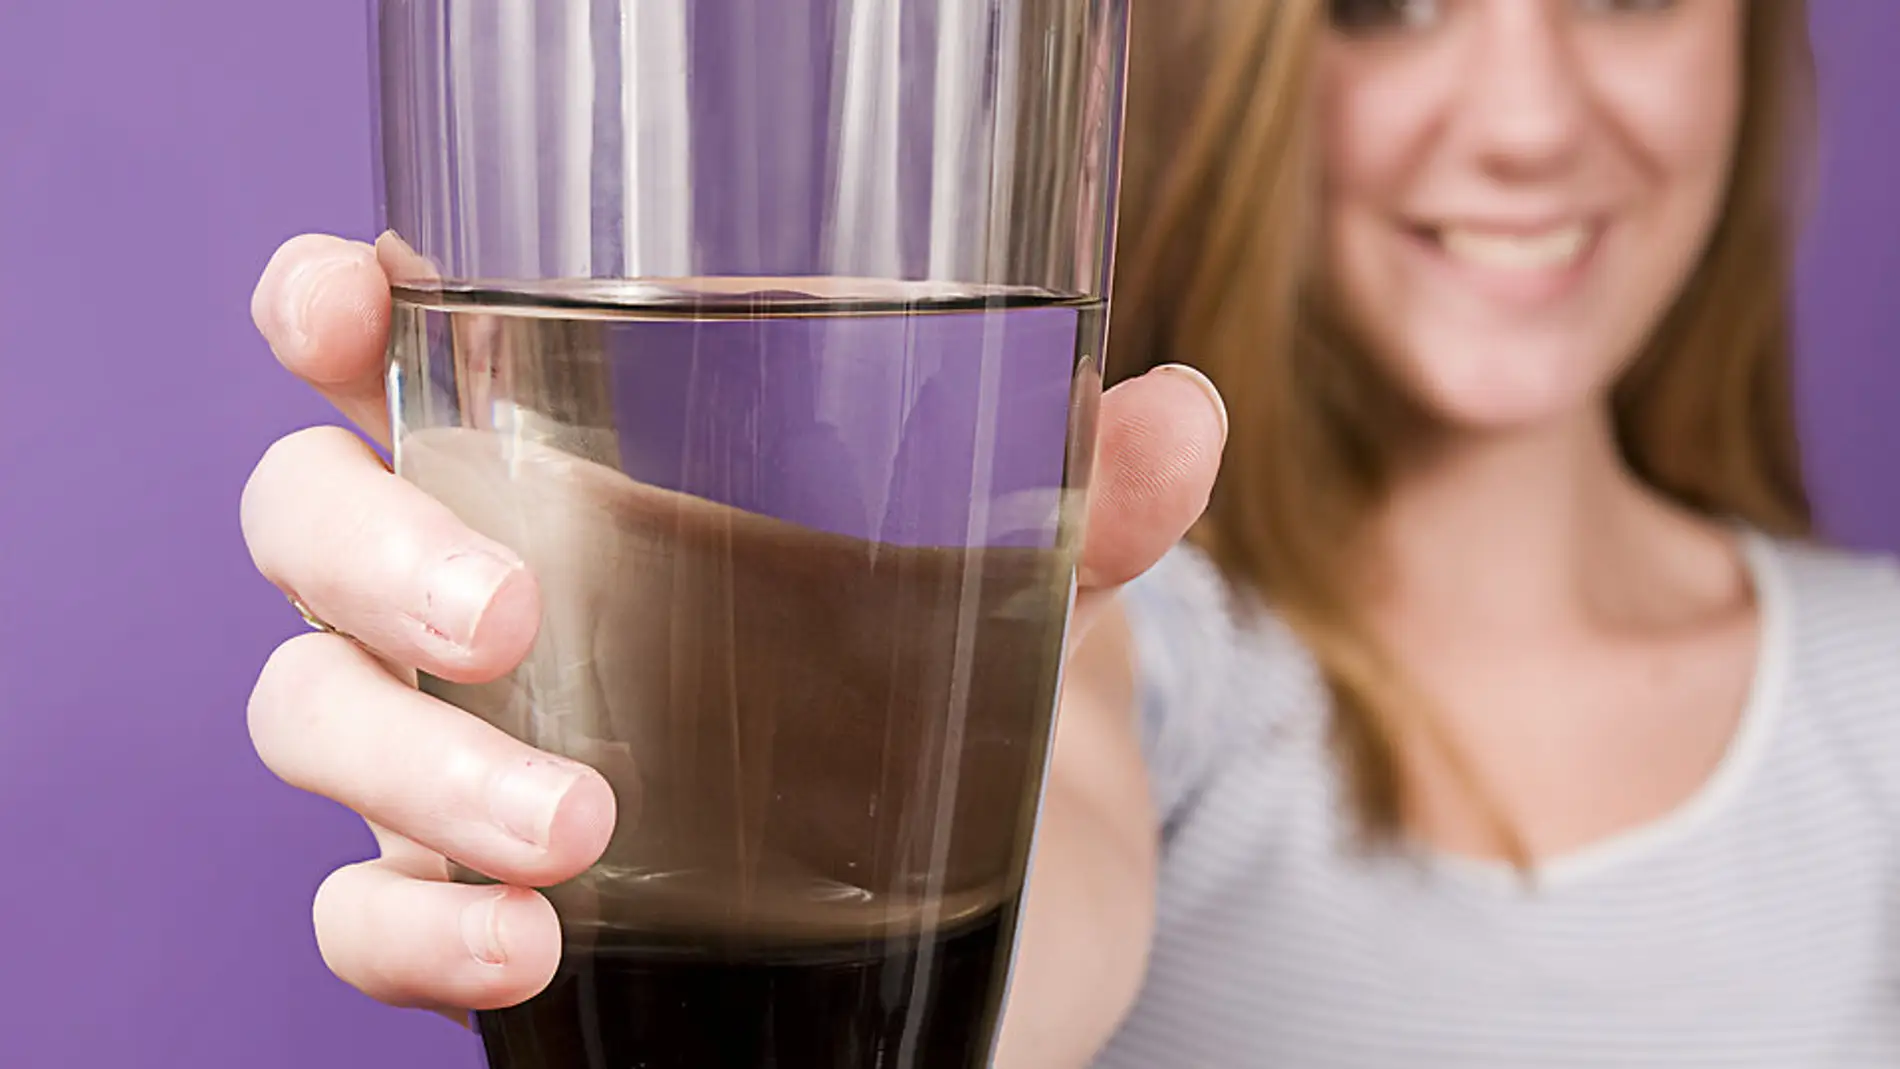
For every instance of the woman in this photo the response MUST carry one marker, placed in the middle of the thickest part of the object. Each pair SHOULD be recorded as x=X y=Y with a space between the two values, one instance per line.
x=1494 y=716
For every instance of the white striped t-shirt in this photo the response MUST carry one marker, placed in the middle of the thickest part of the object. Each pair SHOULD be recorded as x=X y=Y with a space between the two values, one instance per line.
x=1754 y=926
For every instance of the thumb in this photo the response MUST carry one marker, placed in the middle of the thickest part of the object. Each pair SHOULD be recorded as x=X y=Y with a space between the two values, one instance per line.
x=1157 y=452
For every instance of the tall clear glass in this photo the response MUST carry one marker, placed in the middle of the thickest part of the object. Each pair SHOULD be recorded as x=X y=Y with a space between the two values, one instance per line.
x=770 y=333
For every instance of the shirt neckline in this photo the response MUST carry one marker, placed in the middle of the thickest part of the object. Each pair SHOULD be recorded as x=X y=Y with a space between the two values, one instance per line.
x=1745 y=752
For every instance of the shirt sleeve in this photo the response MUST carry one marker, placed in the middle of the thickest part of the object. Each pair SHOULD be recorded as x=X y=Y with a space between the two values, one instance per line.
x=1186 y=652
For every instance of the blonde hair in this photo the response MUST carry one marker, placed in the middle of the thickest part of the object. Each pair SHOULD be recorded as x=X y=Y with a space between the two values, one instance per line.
x=1216 y=270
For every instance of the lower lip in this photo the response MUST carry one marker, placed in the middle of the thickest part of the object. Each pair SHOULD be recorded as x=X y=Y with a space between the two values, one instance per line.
x=1521 y=286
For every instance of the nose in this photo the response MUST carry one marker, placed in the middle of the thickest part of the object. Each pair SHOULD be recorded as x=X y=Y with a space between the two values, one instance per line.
x=1525 y=102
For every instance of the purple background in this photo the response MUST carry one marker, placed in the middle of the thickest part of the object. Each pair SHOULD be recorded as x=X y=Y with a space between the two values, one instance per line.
x=953 y=418
x=155 y=887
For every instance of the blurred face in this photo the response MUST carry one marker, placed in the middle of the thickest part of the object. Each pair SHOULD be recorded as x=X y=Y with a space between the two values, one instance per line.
x=1516 y=190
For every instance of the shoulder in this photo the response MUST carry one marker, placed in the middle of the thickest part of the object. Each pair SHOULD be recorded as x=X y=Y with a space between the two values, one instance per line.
x=1193 y=625
x=1833 y=594
x=1215 y=671
x=1833 y=629
x=1184 y=608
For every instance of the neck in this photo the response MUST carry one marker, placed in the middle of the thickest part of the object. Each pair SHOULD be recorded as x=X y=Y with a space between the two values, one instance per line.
x=1512 y=529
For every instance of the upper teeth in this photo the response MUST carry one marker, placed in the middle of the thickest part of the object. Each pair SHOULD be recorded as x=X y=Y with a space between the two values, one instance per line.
x=1552 y=248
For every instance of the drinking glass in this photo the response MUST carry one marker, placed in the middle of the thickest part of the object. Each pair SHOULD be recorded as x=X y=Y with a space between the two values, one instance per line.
x=770 y=334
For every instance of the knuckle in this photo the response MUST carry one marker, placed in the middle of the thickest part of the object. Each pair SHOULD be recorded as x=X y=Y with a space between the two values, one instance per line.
x=257 y=504
x=289 y=495
x=336 y=900
x=286 y=697
x=335 y=913
x=309 y=245
x=378 y=934
x=300 y=448
x=282 y=472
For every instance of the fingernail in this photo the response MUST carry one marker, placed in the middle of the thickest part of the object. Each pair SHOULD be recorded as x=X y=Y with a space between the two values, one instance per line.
x=525 y=798
x=459 y=592
x=1206 y=385
x=481 y=929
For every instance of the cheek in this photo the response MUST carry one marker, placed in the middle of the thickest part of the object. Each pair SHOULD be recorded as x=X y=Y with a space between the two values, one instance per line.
x=1676 y=96
x=1377 y=120
x=1676 y=106
x=1676 y=109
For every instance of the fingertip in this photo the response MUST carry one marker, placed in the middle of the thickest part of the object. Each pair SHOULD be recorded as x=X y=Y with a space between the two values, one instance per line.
x=509 y=624
x=503 y=635
x=418 y=943
x=517 y=935
x=1209 y=393
x=323 y=305
x=1157 y=457
x=583 y=825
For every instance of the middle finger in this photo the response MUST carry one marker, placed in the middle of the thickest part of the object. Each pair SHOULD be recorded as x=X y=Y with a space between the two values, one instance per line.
x=328 y=718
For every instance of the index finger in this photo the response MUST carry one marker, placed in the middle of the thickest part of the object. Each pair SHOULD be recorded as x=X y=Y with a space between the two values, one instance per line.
x=323 y=305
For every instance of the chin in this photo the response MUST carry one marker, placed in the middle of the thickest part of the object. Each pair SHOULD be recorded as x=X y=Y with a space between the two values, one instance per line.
x=1492 y=389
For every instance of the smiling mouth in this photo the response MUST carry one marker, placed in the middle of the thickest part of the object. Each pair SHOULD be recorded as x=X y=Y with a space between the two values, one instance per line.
x=1553 y=249
x=1524 y=264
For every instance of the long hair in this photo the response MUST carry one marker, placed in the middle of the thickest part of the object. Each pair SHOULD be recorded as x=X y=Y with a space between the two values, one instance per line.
x=1219 y=221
